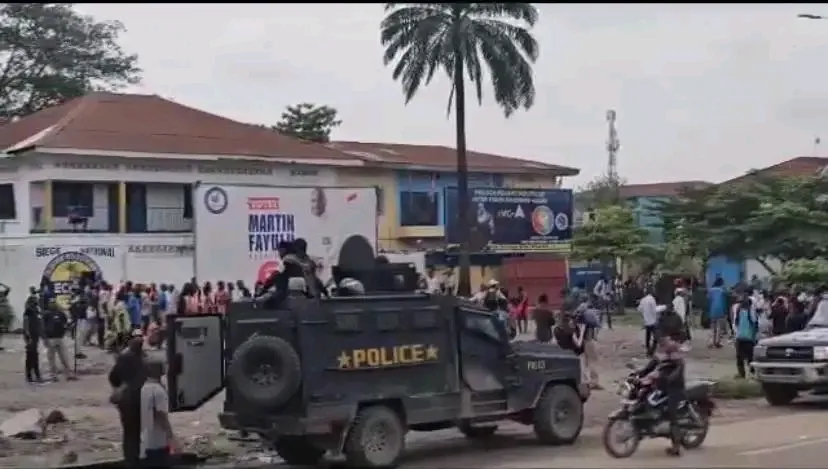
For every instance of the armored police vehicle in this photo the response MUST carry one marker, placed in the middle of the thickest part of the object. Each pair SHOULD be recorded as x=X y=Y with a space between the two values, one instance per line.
x=789 y=364
x=351 y=376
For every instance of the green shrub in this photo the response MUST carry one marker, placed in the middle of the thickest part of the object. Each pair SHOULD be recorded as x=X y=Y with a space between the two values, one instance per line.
x=737 y=388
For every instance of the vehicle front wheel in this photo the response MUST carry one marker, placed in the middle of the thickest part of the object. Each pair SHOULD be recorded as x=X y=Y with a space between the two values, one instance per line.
x=694 y=437
x=620 y=438
x=298 y=451
x=376 y=439
x=779 y=394
x=559 y=415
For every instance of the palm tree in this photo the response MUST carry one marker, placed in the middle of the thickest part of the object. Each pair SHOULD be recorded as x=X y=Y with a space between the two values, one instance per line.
x=460 y=37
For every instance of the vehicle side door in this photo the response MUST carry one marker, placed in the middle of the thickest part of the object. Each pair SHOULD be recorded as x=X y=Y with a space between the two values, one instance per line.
x=482 y=351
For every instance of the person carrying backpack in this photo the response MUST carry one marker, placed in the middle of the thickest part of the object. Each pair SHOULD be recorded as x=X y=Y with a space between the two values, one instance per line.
x=746 y=325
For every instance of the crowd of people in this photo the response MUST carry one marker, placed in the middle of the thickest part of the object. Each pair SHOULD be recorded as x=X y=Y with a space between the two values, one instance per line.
x=98 y=313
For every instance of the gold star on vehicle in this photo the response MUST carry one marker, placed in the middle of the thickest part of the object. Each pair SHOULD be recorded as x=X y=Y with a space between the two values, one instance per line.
x=344 y=360
x=431 y=352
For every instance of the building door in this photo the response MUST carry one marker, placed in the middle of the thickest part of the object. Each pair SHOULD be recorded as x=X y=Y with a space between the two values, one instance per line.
x=114 y=210
x=136 y=200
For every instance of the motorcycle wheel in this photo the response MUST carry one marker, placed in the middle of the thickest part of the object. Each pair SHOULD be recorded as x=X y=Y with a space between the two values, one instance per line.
x=629 y=438
x=693 y=438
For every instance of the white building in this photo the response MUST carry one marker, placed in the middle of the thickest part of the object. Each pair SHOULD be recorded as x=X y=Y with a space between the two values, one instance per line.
x=102 y=183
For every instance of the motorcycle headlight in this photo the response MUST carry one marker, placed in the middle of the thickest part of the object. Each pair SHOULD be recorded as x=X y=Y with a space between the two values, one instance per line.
x=821 y=353
x=760 y=351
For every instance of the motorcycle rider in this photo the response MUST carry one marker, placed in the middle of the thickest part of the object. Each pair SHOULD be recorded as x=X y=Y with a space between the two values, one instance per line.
x=669 y=365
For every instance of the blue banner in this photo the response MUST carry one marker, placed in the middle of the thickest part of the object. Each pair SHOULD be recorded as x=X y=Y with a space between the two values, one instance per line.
x=514 y=220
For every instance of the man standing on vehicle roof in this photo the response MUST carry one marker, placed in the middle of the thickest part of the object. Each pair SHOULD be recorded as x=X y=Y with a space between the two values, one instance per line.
x=309 y=268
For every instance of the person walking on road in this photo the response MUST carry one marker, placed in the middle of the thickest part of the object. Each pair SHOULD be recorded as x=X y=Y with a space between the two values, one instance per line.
x=717 y=310
x=649 y=313
x=746 y=326
x=681 y=308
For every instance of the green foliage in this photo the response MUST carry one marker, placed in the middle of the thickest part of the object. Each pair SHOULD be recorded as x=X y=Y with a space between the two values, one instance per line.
x=602 y=191
x=309 y=122
x=807 y=273
x=611 y=233
x=737 y=388
x=422 y=38
x=49 y=53
x=783 y=218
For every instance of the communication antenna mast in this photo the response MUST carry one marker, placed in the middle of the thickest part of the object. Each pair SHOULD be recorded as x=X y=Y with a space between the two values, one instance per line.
x=613 y=145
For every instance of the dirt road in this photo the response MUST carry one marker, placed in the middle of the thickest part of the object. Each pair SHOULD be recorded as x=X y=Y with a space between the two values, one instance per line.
x=93 y=431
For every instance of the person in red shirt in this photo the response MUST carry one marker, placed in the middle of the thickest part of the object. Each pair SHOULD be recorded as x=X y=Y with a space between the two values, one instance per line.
x=522 y=311
x=222 y=297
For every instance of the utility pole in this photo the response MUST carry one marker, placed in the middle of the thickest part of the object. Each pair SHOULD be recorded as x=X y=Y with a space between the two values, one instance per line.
x=613 y=145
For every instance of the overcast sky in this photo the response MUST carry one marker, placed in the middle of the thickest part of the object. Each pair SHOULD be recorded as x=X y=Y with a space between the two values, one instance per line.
x=702 y=91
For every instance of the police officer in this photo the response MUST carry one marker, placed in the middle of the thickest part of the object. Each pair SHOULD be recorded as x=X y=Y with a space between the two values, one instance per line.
x=291 y=268
x=309 y=268
x=32 y=332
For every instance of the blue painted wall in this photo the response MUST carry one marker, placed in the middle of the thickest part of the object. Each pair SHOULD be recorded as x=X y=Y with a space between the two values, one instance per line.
x=645 y=210
x=732 y=271
x=589 y=273
x=418 y=181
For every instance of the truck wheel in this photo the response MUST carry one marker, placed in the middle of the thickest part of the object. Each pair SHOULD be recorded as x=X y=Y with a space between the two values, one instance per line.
x=779 y=394
x=559 y=415
x=478 y=432
x=376 y=439
x=298 y=451
x=265 y=371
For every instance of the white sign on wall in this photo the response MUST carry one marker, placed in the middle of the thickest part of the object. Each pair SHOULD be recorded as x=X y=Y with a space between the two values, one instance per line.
x=238 y=228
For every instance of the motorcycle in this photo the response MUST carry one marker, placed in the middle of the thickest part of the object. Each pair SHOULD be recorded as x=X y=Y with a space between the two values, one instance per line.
x=643 y=415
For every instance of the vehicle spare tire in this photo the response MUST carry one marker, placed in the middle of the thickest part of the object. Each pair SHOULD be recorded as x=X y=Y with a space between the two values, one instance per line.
x=265 y=371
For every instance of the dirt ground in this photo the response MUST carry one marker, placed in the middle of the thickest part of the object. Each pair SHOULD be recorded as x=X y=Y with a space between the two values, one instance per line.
x=93 y=431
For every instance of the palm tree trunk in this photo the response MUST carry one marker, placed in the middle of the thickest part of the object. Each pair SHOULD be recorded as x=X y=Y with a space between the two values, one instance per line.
x=464 y=280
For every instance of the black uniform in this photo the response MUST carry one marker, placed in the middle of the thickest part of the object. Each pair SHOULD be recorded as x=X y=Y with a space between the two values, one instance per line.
x=32 y=332
x=671 y=381
x=129 y=375
x=291 y=268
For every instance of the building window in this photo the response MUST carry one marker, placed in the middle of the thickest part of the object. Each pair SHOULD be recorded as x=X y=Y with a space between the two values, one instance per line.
x=188 y=201
x=380 y=193
x=419 y=209
x=8 y=210
x=73 y=198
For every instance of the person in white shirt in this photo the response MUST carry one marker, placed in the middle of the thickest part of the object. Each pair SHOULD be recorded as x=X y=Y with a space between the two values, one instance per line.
x=433 y=283
x=648 y=309
x=680 y=307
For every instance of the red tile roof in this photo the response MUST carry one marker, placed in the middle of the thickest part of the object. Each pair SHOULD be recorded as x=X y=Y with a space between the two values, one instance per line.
x=799 y=166
x=661 y=189
x=444 y=158
x=151 y=124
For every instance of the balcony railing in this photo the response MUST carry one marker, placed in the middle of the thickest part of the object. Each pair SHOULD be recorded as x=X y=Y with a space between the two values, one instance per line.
x=105 y=220
x=164 y=220
x=100 y=222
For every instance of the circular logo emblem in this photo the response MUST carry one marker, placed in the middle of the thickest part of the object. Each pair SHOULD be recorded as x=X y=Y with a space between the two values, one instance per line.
x=561 y=221
x=267 y=269
x=542 y=220
x=215 y=199
x=67 y=268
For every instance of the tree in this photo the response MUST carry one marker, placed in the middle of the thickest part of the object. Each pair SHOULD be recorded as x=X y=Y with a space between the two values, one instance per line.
x=459 y=39
x=602 y=191
x=49 y=53
x=805 y=273
x=765 y=217
x=611 y=233
x=309 y=122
